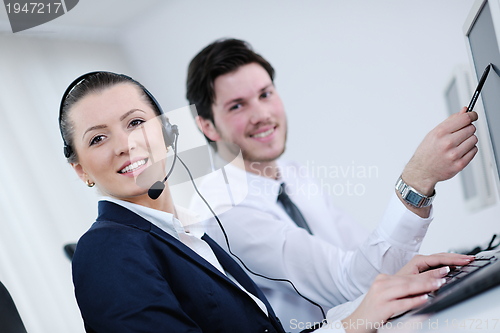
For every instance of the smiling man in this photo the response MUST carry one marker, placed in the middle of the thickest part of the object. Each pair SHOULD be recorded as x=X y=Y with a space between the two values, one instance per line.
x=281 y=231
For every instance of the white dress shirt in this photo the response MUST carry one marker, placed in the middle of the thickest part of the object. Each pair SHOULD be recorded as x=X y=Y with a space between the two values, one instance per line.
x=336 y=264
x=186 y=228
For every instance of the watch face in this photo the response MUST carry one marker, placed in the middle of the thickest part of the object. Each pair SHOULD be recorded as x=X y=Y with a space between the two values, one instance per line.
x=413 y=198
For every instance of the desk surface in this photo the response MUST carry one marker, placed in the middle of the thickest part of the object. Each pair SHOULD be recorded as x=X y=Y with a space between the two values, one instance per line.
x=479 y=314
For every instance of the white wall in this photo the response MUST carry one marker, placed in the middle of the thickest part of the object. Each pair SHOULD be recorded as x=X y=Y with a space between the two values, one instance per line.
x=362 y=82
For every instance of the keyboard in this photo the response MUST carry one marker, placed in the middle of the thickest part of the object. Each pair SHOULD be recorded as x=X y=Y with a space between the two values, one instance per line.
x=464 y=282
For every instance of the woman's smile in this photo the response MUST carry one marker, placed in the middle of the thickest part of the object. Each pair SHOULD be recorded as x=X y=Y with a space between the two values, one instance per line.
x=134 y=169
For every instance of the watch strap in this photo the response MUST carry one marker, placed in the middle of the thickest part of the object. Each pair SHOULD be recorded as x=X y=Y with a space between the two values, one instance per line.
x=412 y=196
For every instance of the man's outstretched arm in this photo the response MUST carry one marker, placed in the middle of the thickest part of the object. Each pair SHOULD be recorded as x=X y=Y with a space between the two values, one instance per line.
x=444 y=152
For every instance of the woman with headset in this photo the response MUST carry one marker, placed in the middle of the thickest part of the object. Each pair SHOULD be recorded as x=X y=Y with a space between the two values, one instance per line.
x=145 y=265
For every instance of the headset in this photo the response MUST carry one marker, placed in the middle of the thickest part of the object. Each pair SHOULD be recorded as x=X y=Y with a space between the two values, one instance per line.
x=170 y=132
x=170 y=135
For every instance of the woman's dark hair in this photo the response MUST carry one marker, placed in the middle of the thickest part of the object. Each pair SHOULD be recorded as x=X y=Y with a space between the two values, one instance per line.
x=221 y=57
x=84 y=85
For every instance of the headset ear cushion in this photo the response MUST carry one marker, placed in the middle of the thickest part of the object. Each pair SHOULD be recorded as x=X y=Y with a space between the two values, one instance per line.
x=168 y=134
x=67 y=151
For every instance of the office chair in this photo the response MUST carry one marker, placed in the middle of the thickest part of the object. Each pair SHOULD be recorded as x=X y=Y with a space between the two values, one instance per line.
x=10 y=321
x=69 y=249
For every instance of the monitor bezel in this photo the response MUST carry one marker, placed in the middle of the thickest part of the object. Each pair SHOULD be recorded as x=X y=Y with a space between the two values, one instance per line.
x=489 y=154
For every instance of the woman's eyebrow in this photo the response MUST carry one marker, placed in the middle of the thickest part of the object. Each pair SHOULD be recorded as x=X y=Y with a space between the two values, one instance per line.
x=128 y=113
x=93 y=128
x=125 y=115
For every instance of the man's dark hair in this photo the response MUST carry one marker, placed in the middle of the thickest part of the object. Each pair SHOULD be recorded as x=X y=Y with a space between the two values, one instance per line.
x=221 y=57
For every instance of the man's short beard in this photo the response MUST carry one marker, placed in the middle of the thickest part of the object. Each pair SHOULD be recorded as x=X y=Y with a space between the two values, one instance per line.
x=250 y=158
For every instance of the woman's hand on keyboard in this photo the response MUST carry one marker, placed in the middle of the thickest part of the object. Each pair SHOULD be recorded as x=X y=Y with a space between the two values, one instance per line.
x=435 y=265
x=390 y=295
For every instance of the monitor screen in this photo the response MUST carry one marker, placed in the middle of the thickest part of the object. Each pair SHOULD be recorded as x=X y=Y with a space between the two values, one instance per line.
x=484 y=49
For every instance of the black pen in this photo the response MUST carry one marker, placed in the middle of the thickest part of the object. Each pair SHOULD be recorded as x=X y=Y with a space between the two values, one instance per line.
x=479 y=87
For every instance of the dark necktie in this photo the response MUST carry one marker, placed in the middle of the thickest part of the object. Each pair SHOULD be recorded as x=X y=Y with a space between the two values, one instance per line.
x=292 y=210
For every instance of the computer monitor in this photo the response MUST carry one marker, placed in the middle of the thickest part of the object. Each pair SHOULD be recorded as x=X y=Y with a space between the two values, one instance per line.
x=482 y=32
x=478 y=185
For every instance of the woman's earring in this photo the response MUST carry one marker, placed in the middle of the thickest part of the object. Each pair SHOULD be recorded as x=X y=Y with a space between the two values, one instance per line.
x=168 y=149
x=89 y=184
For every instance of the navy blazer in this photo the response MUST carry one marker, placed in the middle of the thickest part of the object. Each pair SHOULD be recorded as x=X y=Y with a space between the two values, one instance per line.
x=131 y=276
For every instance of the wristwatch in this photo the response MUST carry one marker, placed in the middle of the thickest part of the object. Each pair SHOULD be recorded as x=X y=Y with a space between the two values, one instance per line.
x=412 y=196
